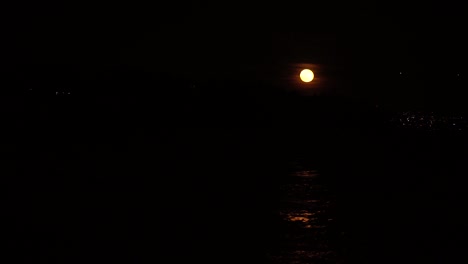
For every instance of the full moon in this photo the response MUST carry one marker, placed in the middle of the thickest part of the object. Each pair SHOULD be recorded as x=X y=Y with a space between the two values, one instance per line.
x=306 y=75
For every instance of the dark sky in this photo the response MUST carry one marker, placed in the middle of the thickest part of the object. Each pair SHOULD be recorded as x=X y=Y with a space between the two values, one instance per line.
x=232 y=34
x=354 y=44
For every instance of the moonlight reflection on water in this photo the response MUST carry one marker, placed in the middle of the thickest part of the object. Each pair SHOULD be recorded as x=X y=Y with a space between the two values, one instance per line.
x=306 y=212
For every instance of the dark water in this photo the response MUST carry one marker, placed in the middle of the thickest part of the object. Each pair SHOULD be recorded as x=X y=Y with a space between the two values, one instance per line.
x=307 y=211
x=85 y=188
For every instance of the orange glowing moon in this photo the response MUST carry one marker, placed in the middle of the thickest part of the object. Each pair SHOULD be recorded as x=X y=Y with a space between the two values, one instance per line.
x=306 y=75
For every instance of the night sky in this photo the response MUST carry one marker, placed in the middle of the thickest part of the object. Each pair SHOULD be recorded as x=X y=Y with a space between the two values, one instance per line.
x=356 y=49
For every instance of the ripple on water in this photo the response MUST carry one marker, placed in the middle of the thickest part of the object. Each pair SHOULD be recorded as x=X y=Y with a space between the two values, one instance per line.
x=306 y=173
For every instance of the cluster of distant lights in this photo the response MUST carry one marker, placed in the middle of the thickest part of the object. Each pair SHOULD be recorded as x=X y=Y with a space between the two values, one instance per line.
x=62 y=93
x=56 y=92
x=430 y=121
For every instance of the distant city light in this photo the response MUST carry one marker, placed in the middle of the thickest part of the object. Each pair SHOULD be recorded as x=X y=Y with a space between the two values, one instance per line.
x=429 y=121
